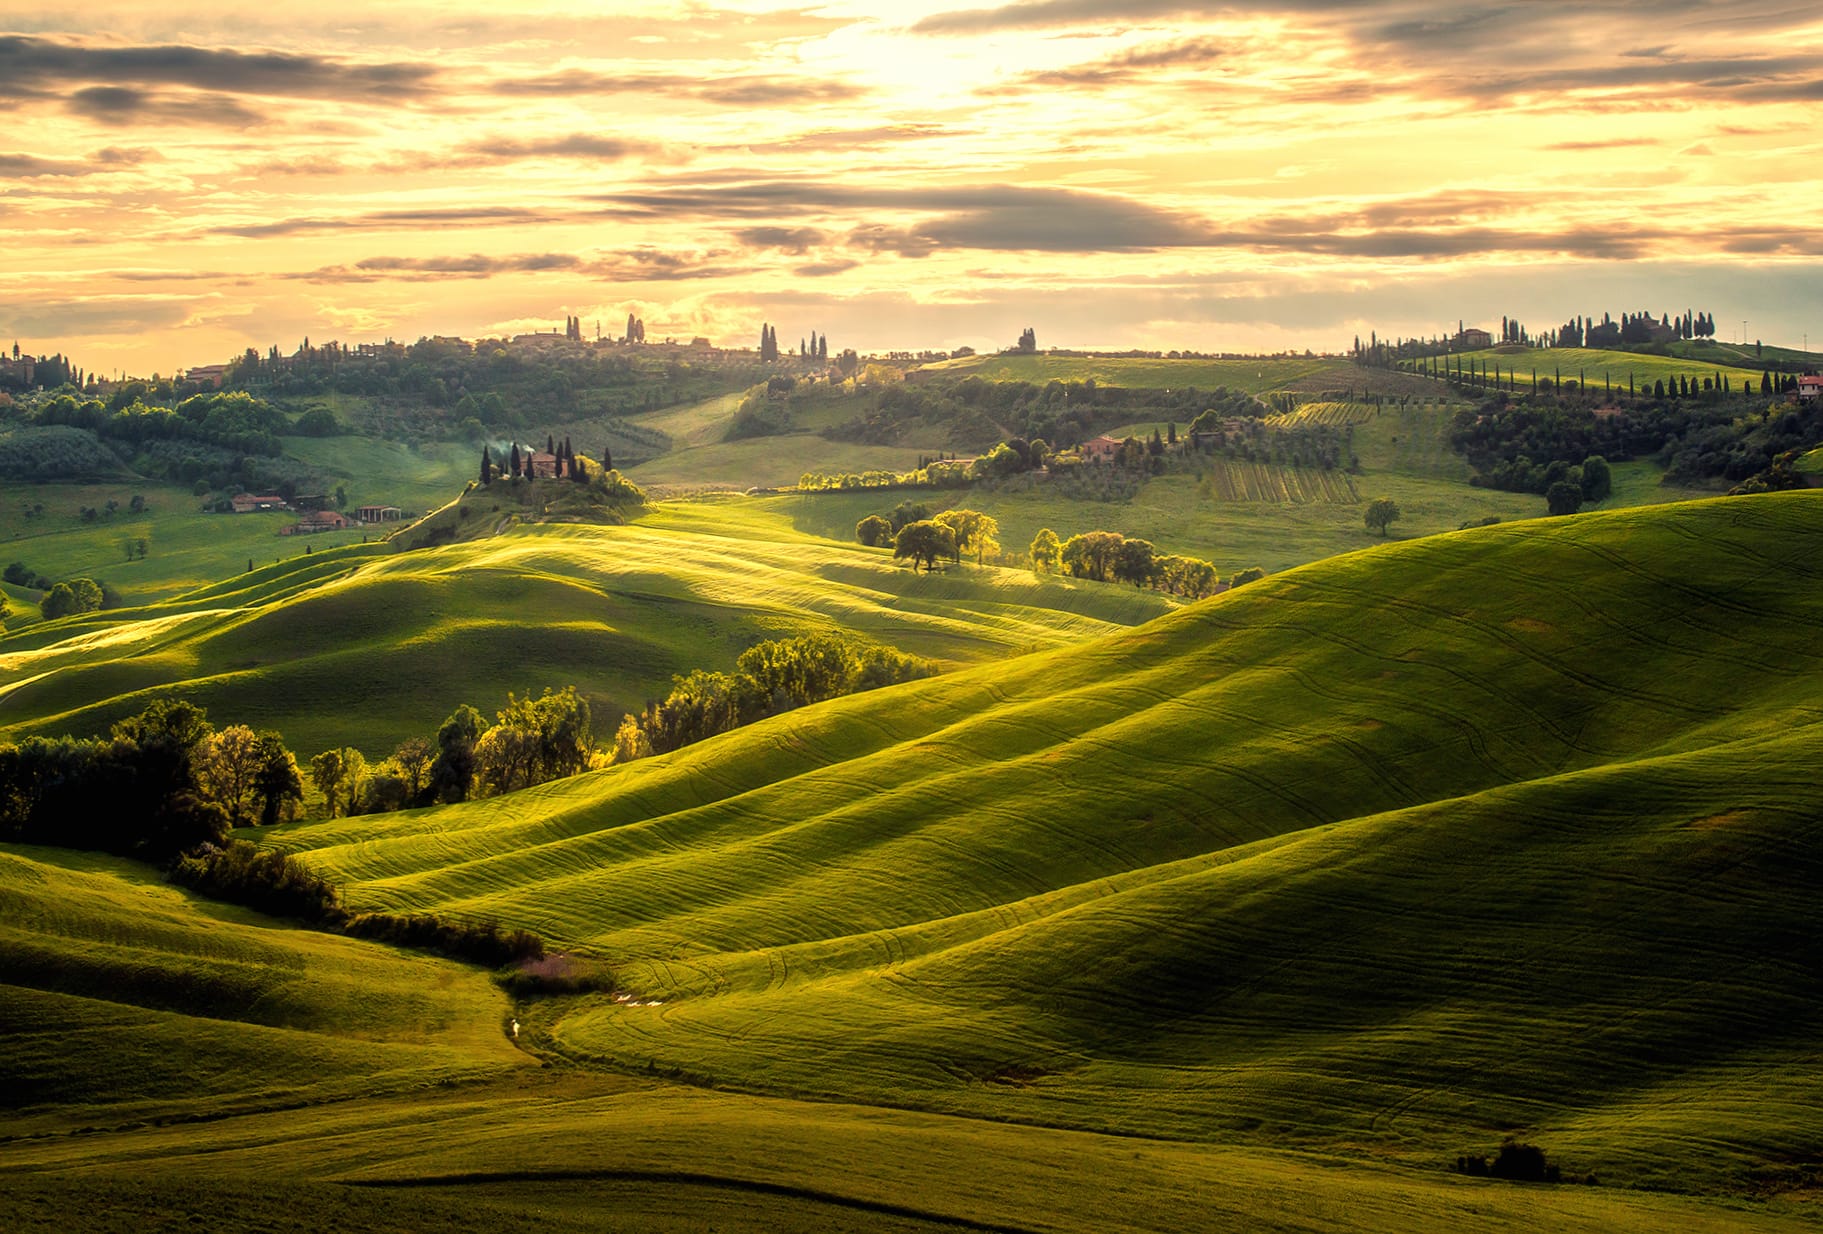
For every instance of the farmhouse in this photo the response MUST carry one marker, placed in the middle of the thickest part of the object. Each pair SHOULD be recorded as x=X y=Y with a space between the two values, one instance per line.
x=1100 y=449
x=379 y=514
x=247 y=503
x=542 y=466
x=315 y=521
x=1472 y=339
x=1810 y=387
x=207 y=375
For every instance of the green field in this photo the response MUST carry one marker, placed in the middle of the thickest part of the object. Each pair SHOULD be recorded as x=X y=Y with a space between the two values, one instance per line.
x=1601 y=370
x=1255 y=916
x=1255 y=375
x=1389 y=838
x=1221 y=510
x=367 y=647
x=123 y=998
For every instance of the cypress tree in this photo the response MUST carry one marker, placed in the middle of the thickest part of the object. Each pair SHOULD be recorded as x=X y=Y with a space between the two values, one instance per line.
x=487 y=467
x=515 y=460
x=550 y=445
x=607 y=459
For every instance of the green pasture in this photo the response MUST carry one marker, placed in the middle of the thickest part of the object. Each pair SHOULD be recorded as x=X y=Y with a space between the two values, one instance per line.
x=563 y=1151
x=1600 y=370
x=375 y=472
x=1405 y=455
x=186 y=547
x=770 y=462
x=1254 y=375
x=1254 y=916
x=1509 y=831
x=122 y=997
x=366 y=646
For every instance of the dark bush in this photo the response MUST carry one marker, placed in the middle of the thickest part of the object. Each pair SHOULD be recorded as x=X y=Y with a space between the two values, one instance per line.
x=272 y=882
x=1516 y=1162
x=484 y=943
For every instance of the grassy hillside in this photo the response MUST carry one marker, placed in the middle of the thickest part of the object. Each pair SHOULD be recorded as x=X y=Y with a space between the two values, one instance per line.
x=122 y=996
x=1254 y=374
x=1505 y=831
x=1240 y=514
x=364 y=646
x=571 y=1152
x=1600 y=369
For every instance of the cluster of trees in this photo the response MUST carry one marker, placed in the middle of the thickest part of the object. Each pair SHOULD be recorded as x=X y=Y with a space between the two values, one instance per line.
x=158 y=784
x=769 y=343
x=769 y=678
x=816 y=349
x=66 y=598
x=532 y=740
x=976 y=414
x=1511 y=443
x=925 y=540
x=519 y=466
x=636 y=329
x=1590 y=481
x=1633 y=329
x=446 y=387
x=1108 y=556
x=1028 y=341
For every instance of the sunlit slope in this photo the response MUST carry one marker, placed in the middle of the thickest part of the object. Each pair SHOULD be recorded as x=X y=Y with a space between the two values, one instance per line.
x=1509 y=828
x=367 y=650
x=121 y=996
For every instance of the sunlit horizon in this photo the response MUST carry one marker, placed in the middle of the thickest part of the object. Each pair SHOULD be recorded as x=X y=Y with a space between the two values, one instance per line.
x=1277 y=175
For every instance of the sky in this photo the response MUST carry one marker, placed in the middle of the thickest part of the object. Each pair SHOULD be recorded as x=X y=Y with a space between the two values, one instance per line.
x=182 y=180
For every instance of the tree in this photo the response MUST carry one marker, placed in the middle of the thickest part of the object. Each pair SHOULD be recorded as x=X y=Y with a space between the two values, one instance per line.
x=630 y=740
x=452 y=775
x=277 y=787
x=925 y=542
x=874 y=531
x=1597 y=479
x=607 y=459
x=974 y=532
x=337 y=775
x=1133 y=562
x=1252 y=574
x=228 y=770
x=413 y=758
x=1564 y=497
x=1045 y=551
x=1090 y=555
x=487 y=466
x=514 y=466
x=1381 y=513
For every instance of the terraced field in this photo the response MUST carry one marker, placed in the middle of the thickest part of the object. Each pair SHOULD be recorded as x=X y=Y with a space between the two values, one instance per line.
x=365 y=646
x=1392 y=856
x=1328 y=414
x=1237 y=480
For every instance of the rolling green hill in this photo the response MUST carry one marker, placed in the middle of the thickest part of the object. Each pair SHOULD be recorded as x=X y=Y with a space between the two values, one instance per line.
x=1255 y=916
x=1312 y=375
x=1504 y=831
x=365 y=646
x=120 y=997
x=1600 y=369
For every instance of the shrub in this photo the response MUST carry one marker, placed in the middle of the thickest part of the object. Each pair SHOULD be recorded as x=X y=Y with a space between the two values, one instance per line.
x=483 y=943
x=272 y=882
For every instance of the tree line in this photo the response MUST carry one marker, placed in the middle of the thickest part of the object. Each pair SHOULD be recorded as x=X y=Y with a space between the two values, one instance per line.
x=769 y=678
